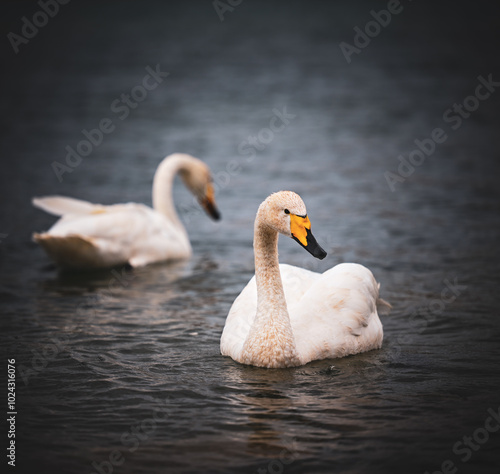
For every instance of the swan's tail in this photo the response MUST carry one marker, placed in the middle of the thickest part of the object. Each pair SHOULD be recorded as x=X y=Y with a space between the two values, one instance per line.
x=383 y=307
x=59 y=205
x=71 y=251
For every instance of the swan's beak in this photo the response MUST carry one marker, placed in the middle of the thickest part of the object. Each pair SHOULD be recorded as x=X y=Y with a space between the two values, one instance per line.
x=207 y=202
x=300 y=227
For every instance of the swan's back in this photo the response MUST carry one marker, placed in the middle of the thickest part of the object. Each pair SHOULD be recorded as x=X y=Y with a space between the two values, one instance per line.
x=94 y=236
x=338 y=316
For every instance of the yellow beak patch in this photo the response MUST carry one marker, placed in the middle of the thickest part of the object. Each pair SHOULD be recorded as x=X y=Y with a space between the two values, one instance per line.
x=298 y=228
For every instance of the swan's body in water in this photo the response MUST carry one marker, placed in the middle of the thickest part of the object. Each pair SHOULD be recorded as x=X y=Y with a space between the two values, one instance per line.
x=94 y=236
x=288 y=316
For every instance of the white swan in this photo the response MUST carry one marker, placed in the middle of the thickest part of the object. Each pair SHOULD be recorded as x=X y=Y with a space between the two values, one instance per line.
x=94 y=236
x=288 y=316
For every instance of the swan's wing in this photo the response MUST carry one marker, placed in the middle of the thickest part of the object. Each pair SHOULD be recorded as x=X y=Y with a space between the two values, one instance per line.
x=113 y=235
x=159 y=240
x=296 y=282
x=59 y=205
x=76 y=251
x=239 y=320
x=337 y=315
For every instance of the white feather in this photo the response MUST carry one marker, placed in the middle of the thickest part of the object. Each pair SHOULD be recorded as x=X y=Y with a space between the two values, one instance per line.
x=60 y=205
x=331 y=315
x=95 y=236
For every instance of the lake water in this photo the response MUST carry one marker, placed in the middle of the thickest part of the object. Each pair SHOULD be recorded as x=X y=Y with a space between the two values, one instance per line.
x=120 y=371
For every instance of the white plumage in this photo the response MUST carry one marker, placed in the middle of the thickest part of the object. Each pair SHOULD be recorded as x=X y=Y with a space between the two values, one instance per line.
x=288 y=316
x=95 y=236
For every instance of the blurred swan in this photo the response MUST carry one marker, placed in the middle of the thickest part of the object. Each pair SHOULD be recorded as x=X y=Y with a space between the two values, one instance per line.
x=288 y=316
x=95 y=236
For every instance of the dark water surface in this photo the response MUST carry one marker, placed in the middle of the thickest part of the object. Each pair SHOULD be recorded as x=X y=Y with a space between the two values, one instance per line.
x=124 y=366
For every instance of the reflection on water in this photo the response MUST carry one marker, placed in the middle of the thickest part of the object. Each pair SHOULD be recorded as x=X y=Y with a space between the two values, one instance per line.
x=99 y=354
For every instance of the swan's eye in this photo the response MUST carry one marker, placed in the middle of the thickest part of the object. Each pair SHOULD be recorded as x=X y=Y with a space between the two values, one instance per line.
x=287 y=211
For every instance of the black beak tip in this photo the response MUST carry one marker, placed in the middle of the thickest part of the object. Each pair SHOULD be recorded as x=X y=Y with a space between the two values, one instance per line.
x=213 y=212
x=210 y=209
x=312 y=246
x=215 y=215
x=320 y=253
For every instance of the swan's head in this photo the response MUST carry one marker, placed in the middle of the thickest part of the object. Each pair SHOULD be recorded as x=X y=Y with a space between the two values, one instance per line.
x=198 y=179
x=286 y=213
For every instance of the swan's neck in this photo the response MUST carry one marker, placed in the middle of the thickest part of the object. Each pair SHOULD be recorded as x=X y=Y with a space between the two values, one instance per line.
x=270 y=342
x=162 y=189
